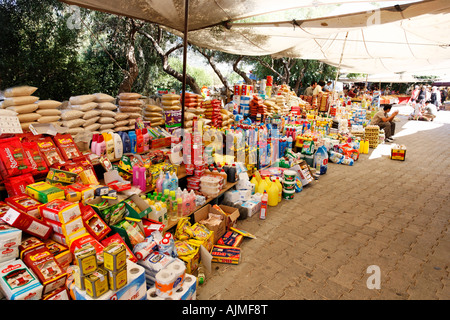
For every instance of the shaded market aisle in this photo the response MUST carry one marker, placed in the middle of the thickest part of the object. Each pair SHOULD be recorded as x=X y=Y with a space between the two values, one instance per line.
x=382 y=212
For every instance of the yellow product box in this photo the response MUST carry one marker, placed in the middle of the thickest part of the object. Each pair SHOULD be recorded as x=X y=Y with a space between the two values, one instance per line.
x=114 y=257
x=191 y=261
x=88 y=177
x=117 y=279
x=398 y=154
x=96 y=283
x=44 y=192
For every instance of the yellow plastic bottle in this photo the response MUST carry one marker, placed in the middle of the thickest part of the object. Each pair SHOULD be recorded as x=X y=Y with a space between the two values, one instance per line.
x=280 y=189
x=366 y=146
x=269 y=183
x=361 y=146
x=255 y=183
x=273 y=195
x=262 y=186
x=258 y=176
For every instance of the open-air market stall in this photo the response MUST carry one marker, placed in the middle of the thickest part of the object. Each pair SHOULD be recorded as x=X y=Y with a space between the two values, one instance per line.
x=132 y=198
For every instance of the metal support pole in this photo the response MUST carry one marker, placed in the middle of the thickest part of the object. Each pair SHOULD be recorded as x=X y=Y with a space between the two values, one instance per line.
x=183 y=90
x=337 y=74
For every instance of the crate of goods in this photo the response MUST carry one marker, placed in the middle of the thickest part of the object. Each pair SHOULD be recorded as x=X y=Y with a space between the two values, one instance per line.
x=371 y=134
x=398 y=152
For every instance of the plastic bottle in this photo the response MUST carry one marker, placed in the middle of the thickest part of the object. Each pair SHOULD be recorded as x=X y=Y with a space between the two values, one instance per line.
x=361 y=146
x=231 y=176
x=186 y=203
x=126 y=142
x=280 y=188
x=94 y=143
x=142 y=179
x=109 y=143
x=273 y=195
x=174 y=204
x=159 y=182
x=258 y=176
x=321 y=160
x=255 y=183
x=192 y=200
x=136 y=176
x=179 y=207
x=174 y=182
x=166 y=182
x=269 y=183
x=101 y=145
x=262 y=186
x=366 y=146
x=263 y=212
x=201 y=274
x=132 y=136
x=164 y=213
x=118 y=146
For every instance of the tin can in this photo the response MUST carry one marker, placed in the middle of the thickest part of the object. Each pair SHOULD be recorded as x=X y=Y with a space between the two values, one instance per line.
x=114 y=257
x=117 y=279
x=86 y=259
x=96 y=283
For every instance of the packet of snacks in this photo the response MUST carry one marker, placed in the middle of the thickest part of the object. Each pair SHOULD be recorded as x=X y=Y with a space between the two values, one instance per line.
x=67 y=146
x=13 y=161
x=49 y=151
x=38 y=165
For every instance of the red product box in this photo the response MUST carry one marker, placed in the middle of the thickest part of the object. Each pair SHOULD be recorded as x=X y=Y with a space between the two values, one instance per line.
x=93 y=223
x=60 y=210
x=4 y=207
x=26 y=204
x=116 y=238
x=44 y=265
x=67 y=146
x=27 y=223
x=151 y=226
x=17 y=185
x=13 y=161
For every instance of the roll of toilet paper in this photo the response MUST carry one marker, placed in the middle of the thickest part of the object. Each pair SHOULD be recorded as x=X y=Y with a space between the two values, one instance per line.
x=164 y=281
x=178 y=268
x=151 y=294
x=188 y=291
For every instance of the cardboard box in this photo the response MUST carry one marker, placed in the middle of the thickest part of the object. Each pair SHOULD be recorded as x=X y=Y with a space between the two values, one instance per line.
x=60 y=211
x=27 y=223
x=26 y=204
x=18 y=282
x=44 y=192
x=398 y=154
x=225 y=254
x=230 y=217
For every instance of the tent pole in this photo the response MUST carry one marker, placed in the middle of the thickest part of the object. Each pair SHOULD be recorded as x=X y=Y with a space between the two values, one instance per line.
x=337 y=74
x=183 y=90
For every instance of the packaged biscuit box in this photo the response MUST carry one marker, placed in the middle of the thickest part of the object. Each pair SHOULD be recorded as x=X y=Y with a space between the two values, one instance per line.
x=26 y=204
x=27 y=223
x=60 y=210
x=13 y=161
x=44 y=192
x=44 y=265
x=18 y=282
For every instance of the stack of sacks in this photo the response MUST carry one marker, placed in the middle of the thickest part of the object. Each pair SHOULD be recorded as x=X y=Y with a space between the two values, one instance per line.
x=272 y=107
x=171 y=102
x=154 y=114
x=281 y=103
x=212 y=112
x=131 y=104
x=74 y=115
x=188 y=120
x=20 y=100
x=227 y=118
x=48 y=109
x=257 y=106
x=191 y=100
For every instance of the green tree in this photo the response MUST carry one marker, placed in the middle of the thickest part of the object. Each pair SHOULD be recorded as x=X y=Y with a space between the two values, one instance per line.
x=39 y=49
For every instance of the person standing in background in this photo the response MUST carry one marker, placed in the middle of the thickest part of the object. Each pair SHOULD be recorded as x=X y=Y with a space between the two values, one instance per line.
x=309 y=91
x=318 y=88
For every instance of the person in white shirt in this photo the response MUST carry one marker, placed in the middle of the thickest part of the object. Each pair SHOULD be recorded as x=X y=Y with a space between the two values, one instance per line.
x=328 y=87
x=429 y=111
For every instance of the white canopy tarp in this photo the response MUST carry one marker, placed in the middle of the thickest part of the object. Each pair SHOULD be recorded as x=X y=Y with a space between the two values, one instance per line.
x=202 y=13
x=410 y=37
x=414 y=38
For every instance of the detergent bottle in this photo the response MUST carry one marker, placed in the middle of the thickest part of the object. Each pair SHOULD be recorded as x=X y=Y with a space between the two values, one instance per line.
x=159 y=182
x=280 y=188
x=166 y=182
x=262 y=186
x=272 y=195
x=269 y=183
x=321 y=160
x=255 y=184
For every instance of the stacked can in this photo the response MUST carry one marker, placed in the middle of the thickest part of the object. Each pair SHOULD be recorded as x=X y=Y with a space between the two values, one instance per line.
x=288 y=184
